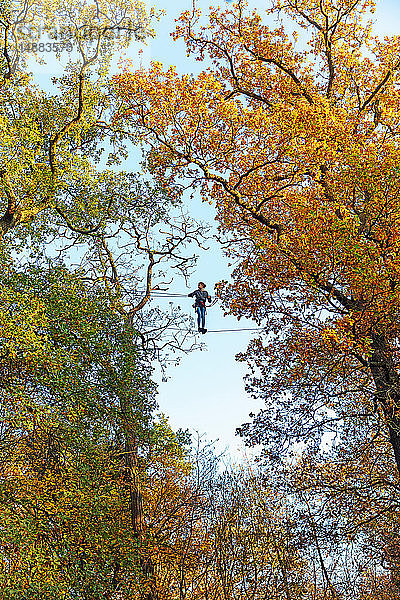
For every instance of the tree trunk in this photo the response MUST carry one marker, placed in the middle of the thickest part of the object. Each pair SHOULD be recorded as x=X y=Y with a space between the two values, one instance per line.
x=136 y=500
x=394 y=435
x=387 y=384
x=7 y=222
x=131 y=466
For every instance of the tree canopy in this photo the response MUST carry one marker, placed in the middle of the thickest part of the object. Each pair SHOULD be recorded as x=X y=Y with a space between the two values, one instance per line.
x=297 y=145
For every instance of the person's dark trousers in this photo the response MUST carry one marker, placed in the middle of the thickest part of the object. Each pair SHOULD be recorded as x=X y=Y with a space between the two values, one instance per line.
x=201 y=316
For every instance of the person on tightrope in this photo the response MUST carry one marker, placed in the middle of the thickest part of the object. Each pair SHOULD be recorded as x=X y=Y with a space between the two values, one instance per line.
x=200 y=295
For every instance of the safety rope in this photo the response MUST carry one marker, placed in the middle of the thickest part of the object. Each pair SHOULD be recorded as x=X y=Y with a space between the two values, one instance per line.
x=159 y=294
x=224 y=330
x=230 y=330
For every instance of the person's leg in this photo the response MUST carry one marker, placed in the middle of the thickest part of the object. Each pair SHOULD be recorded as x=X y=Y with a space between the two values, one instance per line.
x=203 y=317
x=198 y=311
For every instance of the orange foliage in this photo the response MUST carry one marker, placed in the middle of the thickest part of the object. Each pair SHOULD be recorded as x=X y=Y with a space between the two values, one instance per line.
x=297 y=146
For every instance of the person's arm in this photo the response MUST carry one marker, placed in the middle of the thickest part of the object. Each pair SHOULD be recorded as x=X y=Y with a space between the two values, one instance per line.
x=191 y=294
x=208 y=297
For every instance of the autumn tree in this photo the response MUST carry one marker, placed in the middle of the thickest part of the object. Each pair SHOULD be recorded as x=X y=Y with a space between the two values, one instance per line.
x=61 y=174
x=297 y=146
x=51 y=142
x=226 y=534
x=85 y=338
x=78 y=440
x=62 y=196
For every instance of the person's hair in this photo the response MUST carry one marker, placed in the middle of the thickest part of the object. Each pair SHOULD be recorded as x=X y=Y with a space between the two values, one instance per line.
x=201 y=283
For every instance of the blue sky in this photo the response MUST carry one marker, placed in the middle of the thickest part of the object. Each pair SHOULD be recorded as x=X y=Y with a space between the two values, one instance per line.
x=205 y=393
